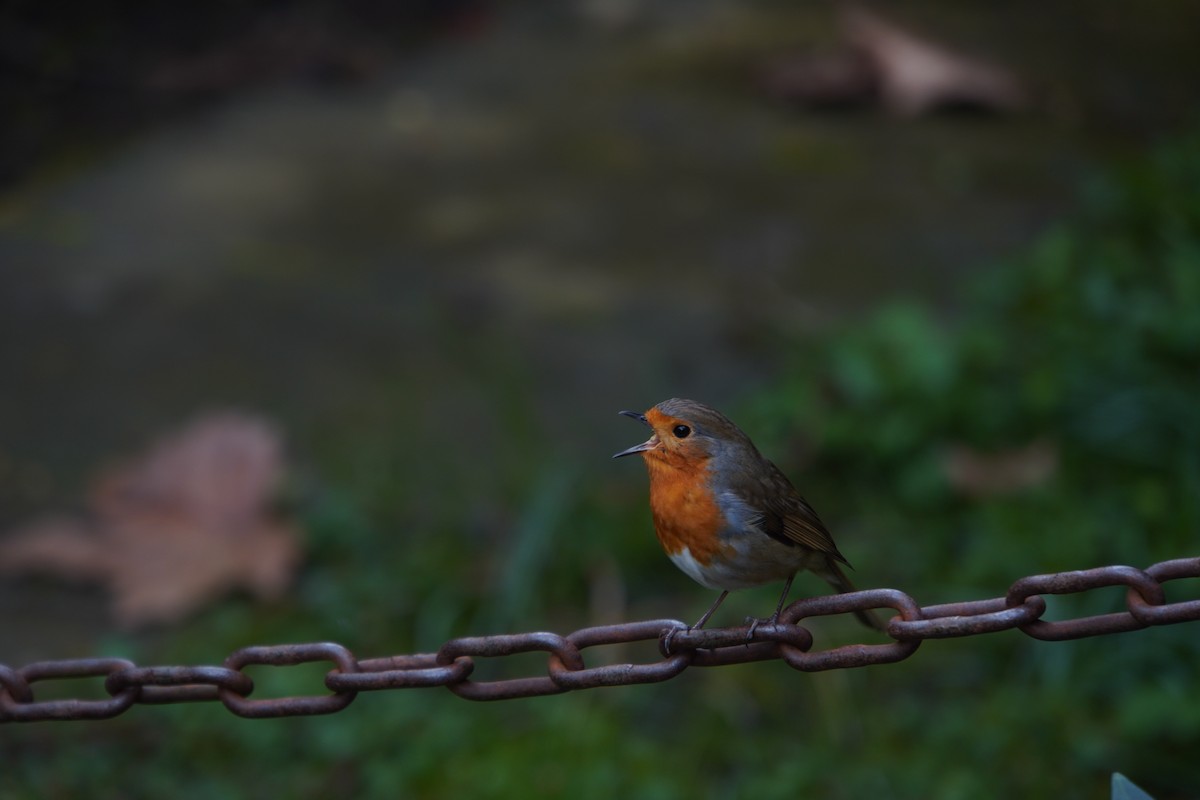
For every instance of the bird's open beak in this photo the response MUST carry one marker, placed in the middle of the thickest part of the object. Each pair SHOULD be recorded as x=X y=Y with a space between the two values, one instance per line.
x=649 y=444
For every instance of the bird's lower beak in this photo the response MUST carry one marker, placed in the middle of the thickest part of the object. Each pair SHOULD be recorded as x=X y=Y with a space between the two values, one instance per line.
x=649 y=444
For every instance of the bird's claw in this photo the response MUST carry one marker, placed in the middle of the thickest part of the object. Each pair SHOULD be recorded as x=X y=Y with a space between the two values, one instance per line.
x=754 y=622
x=669 y=636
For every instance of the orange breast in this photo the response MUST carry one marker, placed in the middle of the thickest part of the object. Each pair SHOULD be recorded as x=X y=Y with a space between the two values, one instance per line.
x=685 y=513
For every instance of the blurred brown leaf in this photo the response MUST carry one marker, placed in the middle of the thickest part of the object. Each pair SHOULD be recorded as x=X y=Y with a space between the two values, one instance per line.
x=1000 y=472
x=182 y=525
x=907 y=74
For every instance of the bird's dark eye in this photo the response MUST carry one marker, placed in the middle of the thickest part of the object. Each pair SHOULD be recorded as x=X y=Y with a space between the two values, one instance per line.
x=681 y=431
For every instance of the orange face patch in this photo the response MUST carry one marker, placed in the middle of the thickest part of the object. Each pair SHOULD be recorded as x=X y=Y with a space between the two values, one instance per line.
x=687 y=455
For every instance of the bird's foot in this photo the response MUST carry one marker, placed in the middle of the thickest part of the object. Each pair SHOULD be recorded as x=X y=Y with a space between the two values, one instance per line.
x=669 y=636
x=754 y=622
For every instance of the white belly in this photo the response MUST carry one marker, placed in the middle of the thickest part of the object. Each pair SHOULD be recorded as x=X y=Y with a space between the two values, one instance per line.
x=751 y=561
x=692 y=568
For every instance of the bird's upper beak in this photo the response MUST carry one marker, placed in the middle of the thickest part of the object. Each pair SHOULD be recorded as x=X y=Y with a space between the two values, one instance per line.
x=649 y=444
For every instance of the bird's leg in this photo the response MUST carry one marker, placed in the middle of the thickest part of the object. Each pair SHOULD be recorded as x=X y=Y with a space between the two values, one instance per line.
x=720 y=599
x=699 y=624
x=787 y=588
x=755 y=621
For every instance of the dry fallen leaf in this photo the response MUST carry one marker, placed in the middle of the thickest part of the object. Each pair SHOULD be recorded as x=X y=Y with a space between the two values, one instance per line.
x=917 y=75
x=907 y=74
x=1001 y=472
x=182 y=525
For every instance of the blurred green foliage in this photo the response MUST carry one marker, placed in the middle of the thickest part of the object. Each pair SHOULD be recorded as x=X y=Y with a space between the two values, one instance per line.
x=1089 y=342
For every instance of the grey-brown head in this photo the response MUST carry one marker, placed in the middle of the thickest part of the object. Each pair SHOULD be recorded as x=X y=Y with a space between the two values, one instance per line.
x=688 y=430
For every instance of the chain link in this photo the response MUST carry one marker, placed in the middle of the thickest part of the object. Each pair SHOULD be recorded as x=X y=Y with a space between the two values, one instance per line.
x=451 y=666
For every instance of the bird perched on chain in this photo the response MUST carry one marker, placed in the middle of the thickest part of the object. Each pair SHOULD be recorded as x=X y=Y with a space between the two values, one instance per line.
x=726 y=515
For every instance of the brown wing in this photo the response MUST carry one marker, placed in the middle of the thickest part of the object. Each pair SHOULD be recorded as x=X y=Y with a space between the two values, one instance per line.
x=786 y=516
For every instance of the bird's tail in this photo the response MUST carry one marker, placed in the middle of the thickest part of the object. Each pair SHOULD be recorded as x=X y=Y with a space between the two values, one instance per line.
x=837 y=579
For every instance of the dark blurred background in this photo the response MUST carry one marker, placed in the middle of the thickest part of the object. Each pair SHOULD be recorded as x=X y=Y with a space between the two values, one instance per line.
x=939 y=259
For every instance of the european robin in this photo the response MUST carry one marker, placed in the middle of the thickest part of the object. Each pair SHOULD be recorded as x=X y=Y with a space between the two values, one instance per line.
x=726 y=515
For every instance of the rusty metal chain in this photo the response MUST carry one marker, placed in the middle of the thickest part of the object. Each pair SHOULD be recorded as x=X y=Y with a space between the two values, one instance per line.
x=451 y=666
